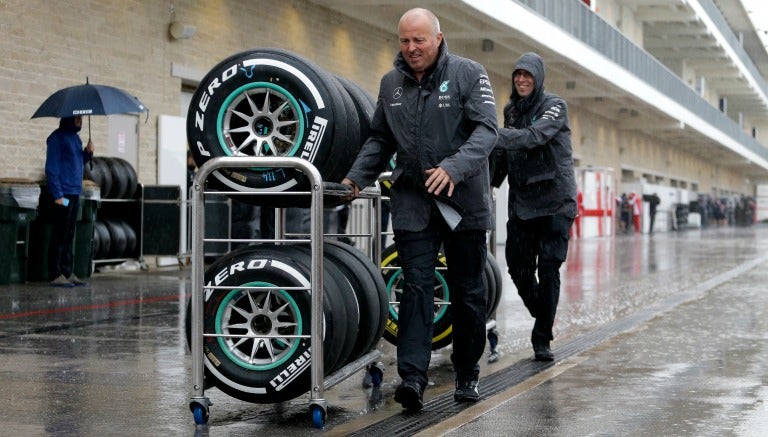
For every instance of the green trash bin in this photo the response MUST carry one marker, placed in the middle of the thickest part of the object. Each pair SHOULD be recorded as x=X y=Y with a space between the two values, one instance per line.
x=40 y=238
x=86 y=219
x=18 y=203
x=37 y=261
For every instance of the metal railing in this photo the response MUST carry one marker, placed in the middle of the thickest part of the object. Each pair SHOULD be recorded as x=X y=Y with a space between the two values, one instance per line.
x=588 y=27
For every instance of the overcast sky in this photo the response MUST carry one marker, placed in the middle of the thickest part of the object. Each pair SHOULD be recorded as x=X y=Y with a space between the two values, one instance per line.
x=758 y=12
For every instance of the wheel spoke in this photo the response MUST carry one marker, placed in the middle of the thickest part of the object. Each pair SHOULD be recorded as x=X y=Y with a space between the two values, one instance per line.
x=270 y=350
x=279 y=135
x=284 y=342
x=265 y=148
x=278 y=325
x=396 y=292
x=280 y=108
x=255 y=348
x=279 y=310
x=244 y=129
x=244 y=144
x=255 y=307
x=244 y=325
x=265 y=107
x=284 y=123
x=243 y=312
x=246 y=118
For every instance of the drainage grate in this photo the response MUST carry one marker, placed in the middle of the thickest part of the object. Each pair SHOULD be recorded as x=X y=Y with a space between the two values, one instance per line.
x=442 y=407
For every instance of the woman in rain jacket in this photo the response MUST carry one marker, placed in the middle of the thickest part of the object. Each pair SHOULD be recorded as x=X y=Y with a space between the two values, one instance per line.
x=536 y=140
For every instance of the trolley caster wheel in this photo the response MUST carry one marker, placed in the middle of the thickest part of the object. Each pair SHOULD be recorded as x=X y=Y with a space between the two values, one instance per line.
x=493 y=338
x=199 y=413
x=374 y=374
x=493 y=341
x=377 y=374
x=318 y=416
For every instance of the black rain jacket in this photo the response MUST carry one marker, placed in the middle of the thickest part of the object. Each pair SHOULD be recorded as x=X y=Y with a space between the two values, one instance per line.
x=447 y=120
x=536 y=144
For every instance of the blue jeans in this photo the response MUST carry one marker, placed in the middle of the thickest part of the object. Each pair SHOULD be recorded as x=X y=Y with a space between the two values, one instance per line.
x=465 y=253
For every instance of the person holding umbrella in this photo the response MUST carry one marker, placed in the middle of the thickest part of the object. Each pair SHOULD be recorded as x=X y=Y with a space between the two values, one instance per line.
x=65 y=159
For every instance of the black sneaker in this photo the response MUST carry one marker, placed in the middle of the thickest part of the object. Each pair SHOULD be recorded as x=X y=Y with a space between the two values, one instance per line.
x=466 y=391
x=409 y=395
x=542 y=352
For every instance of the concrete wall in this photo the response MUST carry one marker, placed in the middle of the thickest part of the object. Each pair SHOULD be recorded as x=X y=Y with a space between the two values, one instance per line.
x=48 y=45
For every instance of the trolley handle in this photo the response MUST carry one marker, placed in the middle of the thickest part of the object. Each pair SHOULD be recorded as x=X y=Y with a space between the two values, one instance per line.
x=316 y=242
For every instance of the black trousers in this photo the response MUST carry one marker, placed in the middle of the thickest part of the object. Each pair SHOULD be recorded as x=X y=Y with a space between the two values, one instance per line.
x=652 y=219
x=60 y=252
x=535 y=250
x=465 y=253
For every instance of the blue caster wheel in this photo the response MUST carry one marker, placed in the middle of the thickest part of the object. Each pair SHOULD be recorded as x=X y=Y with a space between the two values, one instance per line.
x=200 y=413
x=374 y=375
x=377 y=375
x=493 y=341
x=318 y=416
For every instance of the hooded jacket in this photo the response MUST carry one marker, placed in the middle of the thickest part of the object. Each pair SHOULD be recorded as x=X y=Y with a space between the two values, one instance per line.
x=64 y=160
x=447 y=120
x=536 y=139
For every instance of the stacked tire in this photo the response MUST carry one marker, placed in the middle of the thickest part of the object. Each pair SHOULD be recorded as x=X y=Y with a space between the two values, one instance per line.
x=115 y=177
x=261 y=317
x=273 y=103
x=270 y=102
x=443 y=320
x=113 y=238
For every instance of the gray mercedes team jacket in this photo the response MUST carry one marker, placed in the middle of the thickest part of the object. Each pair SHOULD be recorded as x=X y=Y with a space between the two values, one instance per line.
x=537 y=140
x=447 y=120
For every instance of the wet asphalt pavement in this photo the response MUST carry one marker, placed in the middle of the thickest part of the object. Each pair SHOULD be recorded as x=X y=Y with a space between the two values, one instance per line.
x=655 y=335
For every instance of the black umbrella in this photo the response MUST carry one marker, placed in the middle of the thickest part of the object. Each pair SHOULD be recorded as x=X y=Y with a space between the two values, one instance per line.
x=88 y=99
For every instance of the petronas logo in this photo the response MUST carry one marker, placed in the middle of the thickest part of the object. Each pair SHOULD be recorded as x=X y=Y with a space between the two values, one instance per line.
x=444 y=86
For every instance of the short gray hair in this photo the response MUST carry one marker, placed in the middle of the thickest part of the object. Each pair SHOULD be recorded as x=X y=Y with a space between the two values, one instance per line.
x=427 y=13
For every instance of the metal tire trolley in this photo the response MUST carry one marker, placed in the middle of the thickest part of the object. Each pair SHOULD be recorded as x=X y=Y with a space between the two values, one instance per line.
x=199 y=403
